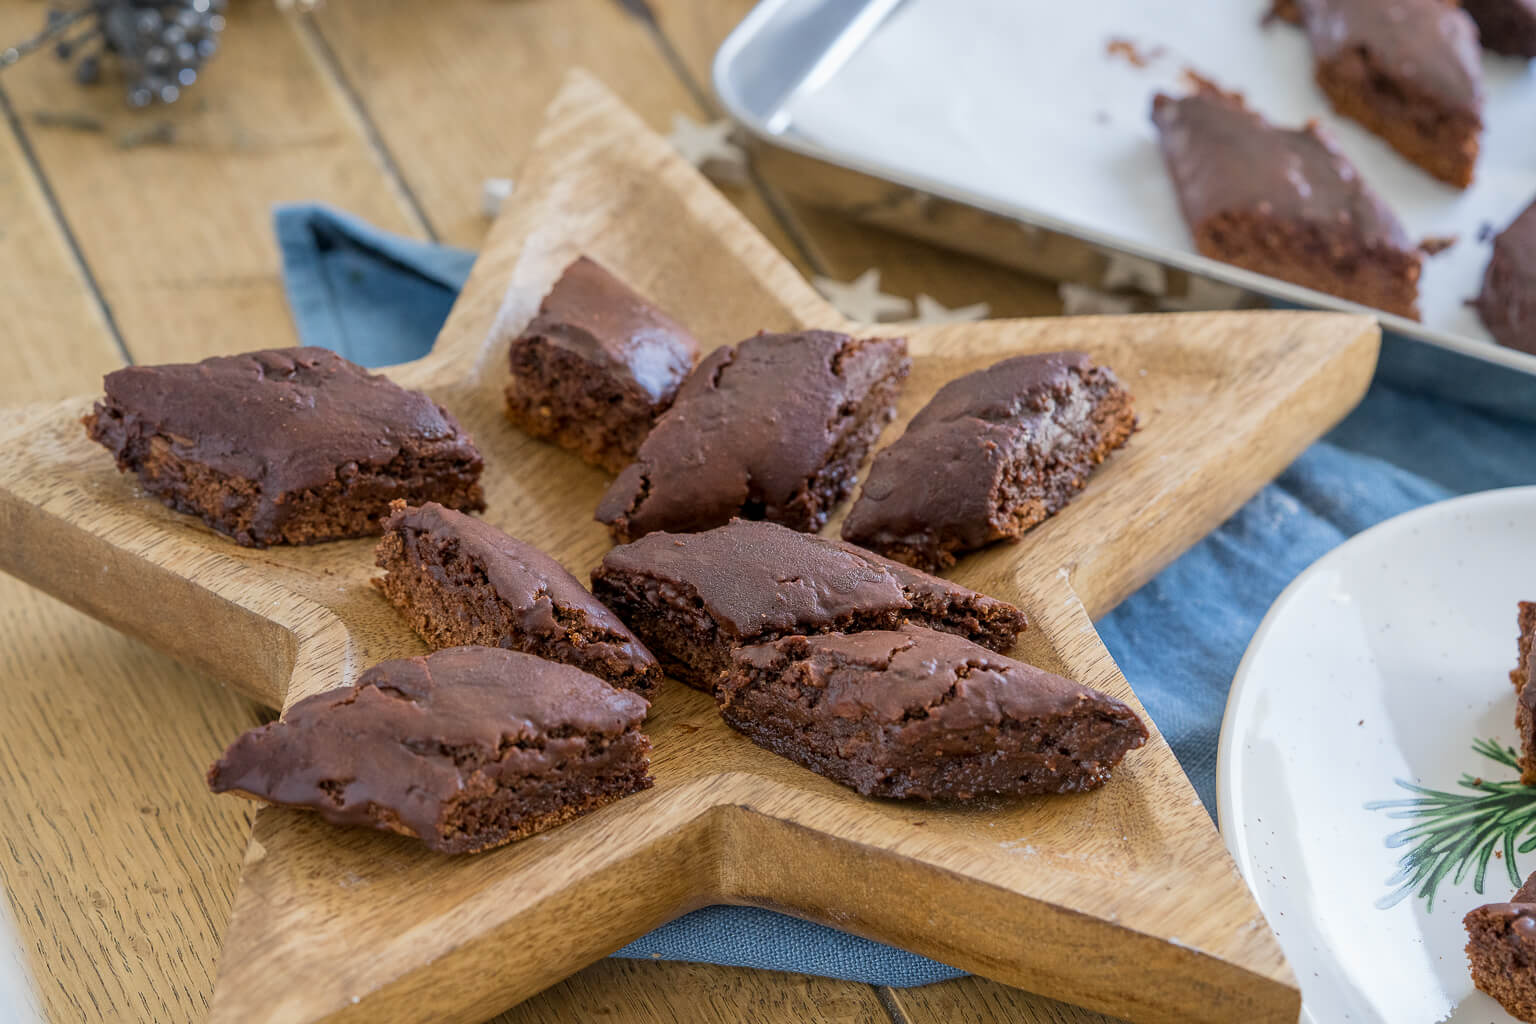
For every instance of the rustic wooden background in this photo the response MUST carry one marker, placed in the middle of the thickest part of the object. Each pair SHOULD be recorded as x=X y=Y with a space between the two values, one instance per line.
x=145 y=236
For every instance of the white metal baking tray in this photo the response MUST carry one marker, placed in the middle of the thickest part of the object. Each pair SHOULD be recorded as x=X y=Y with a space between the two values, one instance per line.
x=1017 y=108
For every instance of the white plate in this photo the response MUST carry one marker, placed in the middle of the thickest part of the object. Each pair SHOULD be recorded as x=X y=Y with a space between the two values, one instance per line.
x=1382 y=664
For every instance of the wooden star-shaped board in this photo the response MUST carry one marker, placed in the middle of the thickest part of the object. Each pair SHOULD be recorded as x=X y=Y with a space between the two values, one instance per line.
x=1123 y=900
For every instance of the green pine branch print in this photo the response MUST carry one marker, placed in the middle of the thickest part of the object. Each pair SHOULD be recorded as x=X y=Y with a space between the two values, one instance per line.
x=1457 y=833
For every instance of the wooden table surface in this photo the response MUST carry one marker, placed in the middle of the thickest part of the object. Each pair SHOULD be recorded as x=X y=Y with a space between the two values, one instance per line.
x=146 y=236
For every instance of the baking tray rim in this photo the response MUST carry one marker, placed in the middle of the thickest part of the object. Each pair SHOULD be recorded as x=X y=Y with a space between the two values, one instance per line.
x=763 y=16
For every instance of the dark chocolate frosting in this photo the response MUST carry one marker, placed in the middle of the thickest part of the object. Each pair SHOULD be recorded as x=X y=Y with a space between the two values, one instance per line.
x=756 y=577
x=749 y=427
x=917 y=674
x=290 y=419
x=941 y=477
x=599 y=318
x=1431 y=44
x=1507 y=303
x=541 y=595
x=1225 y=158
x=391 y=751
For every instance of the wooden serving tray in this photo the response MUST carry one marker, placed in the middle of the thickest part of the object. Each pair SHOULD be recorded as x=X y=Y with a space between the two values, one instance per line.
x=1122 y=900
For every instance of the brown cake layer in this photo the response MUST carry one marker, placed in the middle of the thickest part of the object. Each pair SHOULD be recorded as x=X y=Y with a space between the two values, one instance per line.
x=287 y=446
x=461 y=581
x=920 y=715
x=693 y=598
x=1507 y=303
x=772 y=428
x=1283 y=202
x=1505 y=26
x=994 y=453
x=596 y=366
x=1501 y=949
x=465 y=749
x=1408 y=70
x=1525 y=696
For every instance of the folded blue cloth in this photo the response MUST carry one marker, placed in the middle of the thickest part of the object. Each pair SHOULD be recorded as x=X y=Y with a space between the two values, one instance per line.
x=1434 y=424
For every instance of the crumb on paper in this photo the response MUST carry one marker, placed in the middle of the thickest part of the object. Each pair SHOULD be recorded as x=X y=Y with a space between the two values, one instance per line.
x=1485 y=231
x=1434 y=245
x=1282 y=10
x=1127 y=50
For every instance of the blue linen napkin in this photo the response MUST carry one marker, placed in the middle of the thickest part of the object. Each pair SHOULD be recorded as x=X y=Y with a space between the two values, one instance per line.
x=1434 y=424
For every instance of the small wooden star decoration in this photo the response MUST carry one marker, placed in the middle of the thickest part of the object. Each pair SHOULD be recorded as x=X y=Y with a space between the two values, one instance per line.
x=1123 y=900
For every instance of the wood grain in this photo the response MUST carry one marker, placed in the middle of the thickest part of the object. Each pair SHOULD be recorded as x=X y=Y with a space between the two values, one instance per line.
x=64 y=671
x=666 y=992
x=53 y=332
x=178 y=233
x=976 y=1000
x=490 y=69
x=117 y=869
x=1098 y=882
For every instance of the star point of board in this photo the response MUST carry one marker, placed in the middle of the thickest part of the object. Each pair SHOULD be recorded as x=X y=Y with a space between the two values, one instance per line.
x=1117 y=872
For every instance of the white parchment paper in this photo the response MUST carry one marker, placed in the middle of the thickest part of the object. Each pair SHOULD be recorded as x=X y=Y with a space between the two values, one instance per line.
x=1017 y=101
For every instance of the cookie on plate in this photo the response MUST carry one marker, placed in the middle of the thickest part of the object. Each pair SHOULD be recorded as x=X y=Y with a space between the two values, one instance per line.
x=1501 y=948
x=1505 y=26
x=992 y=454
x=1409 y=70
x=772 y=428
x=596 y=366
x=461 y=581
x=1507 y=303
x=917 y=714
x=464 y=749
x=1283 y=202
x=284 y=446
x=693 y=597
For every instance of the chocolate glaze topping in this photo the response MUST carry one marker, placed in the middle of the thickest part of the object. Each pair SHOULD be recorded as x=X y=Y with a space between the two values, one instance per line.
x=750 y=427
x=1430 y=43
x=1226 y=158
x=885 y=675
x=412 y=734
x=756 y=577
x=1507 y=302
x=599 y=318
x=291 y=419
x=538 y=590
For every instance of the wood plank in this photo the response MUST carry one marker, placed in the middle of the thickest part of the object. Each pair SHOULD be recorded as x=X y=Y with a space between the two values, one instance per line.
x=120 y=876
x=661 y=992
x=840 y=247
x=489 y=69
x=727 y=821
x=979 y=1001
x=118 y=865
x=178 y=234
x=118 y=870
x=55 y=338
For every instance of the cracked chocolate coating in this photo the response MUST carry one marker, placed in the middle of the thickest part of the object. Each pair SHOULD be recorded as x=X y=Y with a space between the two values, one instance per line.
x=942 y=486
x=395 y=749
x=756 y=577
x=290 y=420
x=1507 y=302
x=750 y=432
x=1225 y=158
x=1428 y=43
x=917 y=674
x=753 y=578
x=919 y=714
x=596 y=316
